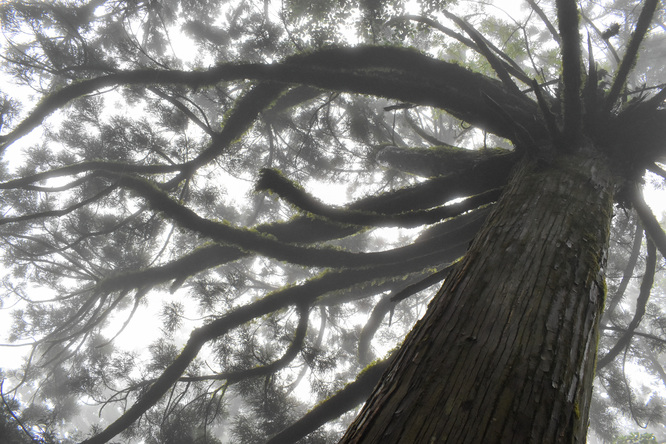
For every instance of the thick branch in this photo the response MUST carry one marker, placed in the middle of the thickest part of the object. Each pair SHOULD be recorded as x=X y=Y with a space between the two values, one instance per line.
x=245 y=111
x=626 y=275
x=387 y=304
x=631 y=54
x=652 y=228
x=346 y=399
x=441 y=159
x=271 y=180
x=235 y=376
x=253 y=241
x=304 y=294
x=300 y=230
x=641 y=303
x=391 y=72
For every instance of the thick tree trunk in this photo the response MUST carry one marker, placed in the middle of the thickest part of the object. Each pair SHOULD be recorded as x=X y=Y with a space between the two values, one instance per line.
x=506 y=351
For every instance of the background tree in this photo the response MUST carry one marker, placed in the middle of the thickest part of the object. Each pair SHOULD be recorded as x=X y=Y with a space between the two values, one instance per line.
x=135 y=187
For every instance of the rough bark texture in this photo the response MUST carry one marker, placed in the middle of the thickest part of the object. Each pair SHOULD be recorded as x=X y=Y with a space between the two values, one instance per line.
x=506 y=351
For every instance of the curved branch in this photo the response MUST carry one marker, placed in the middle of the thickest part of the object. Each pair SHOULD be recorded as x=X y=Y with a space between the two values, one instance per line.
x=82 y=167
x=371 y=326
x=387 y=304
x=421 y=285
x=243 y=114
x=641 y=303
x=185 y=110
x=650 y=223
x=253 y=241
x=631 y=54
x=391 y=72
x=58 y=213
x=419 y=131
x=346 y=399
x=271 y=180
x=626 y=275
x=301 y=230
x=235 y=376
x=304 y=294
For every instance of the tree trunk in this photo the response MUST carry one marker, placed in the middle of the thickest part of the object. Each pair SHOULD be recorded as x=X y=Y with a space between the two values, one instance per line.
x=506 y=351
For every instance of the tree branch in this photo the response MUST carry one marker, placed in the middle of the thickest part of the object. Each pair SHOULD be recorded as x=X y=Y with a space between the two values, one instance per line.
x=599 y=33
x=346 y=399
x=508 y=63
x=495 y=63
x=251 y=240
x=391 y=72
x=567 y=15
x=652 y=228
x=641 y=303
x=626 y=275
x=304 y=294
x=545 y=20
x=638 y=333
x=631 y=54
x=271 y=180
x=58 y=213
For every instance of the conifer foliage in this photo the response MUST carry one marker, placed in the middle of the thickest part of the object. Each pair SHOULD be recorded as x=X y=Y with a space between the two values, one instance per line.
x=221 y=220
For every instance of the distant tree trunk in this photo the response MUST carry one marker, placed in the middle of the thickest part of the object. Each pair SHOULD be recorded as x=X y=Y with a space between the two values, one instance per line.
x=506 y=351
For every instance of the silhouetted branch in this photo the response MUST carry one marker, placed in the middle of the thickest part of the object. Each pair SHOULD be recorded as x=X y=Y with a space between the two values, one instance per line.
x=548 y=116
x=390 y=72
x=480 y=41
x=271 y=180
x=304 y=294
x=387 y=304
x=346 y=399
x=641 y=303
x=58 y=213
x=638 y=333
x=650 y=223
x=631 y=54
x=508 y=63
x=205 y=126
x=235 y=376
x=430 y=280
x=600 y=33
x=627 y=274
x=11 y=413
x=657 y=170
x=418 y=130
x=545 y=20
x=567 y=16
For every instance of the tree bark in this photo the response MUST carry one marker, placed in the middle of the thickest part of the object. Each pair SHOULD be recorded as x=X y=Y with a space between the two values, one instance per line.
x=506 y=351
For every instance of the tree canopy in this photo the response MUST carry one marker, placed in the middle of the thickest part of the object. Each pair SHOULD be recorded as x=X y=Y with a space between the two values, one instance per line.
x=221 y=218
